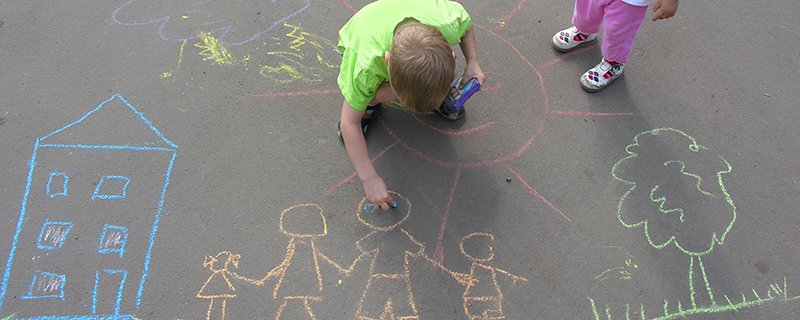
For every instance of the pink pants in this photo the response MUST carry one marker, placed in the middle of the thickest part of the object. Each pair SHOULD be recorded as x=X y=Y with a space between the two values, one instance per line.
x=620 y=23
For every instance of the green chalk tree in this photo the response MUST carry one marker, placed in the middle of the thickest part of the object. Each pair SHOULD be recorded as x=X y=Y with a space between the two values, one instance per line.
x=676 y=195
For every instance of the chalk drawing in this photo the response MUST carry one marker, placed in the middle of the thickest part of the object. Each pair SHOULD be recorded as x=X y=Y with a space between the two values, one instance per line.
x=61 y=181
x=113 y=240
x=502 y=23
x=236 y=25
x=180 y=59
x=87 y=155
x=218 y=286
x=301 y=56
x=298 y=56
x=483 y=298
x=701 y=208
x=388 y=292
x=215 y=51
x=115 y=191
x=46 y=285
x=775 y=293
x=117 y=297
x=53 y=234
x=388 y=249
x=674 y=184
x=623 y=271
x=297 y=285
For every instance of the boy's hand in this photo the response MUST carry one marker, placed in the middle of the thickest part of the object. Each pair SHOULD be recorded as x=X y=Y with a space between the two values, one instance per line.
x=472 y=71
x=665 y=9
x=377 y=193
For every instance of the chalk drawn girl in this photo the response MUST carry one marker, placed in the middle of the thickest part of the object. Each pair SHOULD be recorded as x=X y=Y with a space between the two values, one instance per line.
x=218 y=286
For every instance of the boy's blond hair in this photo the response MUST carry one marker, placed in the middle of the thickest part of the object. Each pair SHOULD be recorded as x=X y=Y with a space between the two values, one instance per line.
x=421 y=67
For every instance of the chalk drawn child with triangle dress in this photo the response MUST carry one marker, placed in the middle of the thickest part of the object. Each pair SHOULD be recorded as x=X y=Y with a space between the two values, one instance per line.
x=218 y=286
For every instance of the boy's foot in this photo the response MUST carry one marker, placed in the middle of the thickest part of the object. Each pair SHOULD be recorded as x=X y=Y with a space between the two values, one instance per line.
x=569 y=39
x=364 y=121
x=601 y=75
x=449 y=110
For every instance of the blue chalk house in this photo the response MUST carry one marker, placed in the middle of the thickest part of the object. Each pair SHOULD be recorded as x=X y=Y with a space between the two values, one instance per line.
x=88 y=219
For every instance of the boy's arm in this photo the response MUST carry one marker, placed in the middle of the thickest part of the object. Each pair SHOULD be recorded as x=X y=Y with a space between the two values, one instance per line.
x=470 y=50
x=374 y=187
x=665 y=9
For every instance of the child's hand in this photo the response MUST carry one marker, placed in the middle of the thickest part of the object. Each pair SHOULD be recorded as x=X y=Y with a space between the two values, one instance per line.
x=472 y=71
x=665 y=9
x=377 y=193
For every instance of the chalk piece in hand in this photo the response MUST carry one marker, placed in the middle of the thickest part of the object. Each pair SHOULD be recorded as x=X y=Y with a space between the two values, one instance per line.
x=394 y=205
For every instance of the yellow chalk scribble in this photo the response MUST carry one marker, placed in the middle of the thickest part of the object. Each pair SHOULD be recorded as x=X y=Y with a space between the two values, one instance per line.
x=301 y=56
x=622 y=271
x=396 y=105
x=214 y=50
x=180 y=58
x=499 y=21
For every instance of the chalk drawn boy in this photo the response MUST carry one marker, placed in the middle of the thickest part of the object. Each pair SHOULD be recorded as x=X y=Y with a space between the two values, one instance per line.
x=483 y=299
x=406 y=43
x=388 y=247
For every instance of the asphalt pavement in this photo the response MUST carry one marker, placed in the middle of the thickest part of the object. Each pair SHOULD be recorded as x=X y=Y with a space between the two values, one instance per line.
x=179 y=160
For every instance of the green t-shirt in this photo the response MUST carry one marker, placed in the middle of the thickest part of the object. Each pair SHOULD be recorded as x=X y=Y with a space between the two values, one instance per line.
x=368 y=35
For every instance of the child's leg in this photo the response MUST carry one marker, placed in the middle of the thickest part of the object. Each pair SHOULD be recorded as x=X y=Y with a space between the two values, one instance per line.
x=588 y=15
x=621 y=22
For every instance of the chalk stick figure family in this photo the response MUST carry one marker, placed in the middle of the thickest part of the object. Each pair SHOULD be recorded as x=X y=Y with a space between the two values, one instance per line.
x=402 y=50
x=388 y=249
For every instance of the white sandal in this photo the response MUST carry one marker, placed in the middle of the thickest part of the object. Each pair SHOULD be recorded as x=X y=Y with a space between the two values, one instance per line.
x=568 y=39
x=601 y=75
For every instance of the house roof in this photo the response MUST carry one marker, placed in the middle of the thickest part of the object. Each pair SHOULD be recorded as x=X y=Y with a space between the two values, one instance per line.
x=115 y=123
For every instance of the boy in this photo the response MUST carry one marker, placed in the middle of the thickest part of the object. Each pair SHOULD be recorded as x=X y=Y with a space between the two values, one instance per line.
x=408 y=44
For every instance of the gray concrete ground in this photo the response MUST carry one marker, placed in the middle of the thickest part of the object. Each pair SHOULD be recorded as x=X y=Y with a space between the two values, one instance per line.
x=178 y=160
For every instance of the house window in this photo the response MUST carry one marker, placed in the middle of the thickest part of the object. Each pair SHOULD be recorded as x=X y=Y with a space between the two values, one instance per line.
x=111 y=187
x=57 y=185
x=113 y=240
x=53 y=235
x=46 y=285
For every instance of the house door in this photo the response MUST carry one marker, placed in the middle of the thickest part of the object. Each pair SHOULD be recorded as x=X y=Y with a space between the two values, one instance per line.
x=107 y=294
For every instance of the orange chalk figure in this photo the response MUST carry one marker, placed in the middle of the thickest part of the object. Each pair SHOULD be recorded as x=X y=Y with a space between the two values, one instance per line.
x=297 y=284
x=483 y=299
x=388 y=291
x=218 y=286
